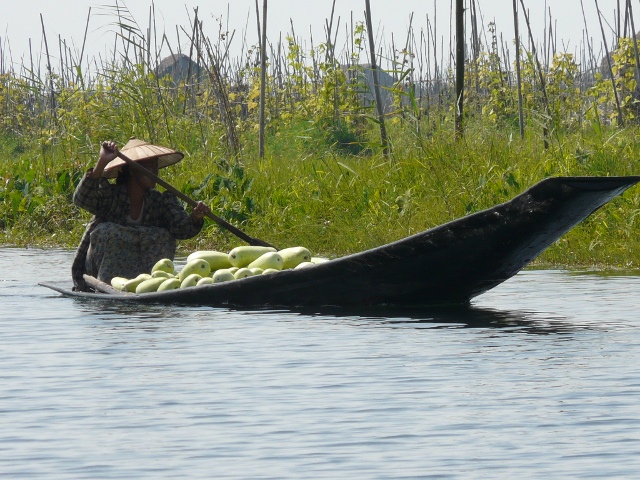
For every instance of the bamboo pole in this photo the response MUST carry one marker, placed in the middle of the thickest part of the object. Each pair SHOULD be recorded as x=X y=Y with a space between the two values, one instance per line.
x=545 y=37
x=188 y=91
x=84 y=42
x=376 y=85
x=613 y=80
x=635 y=45
x=52 y=98
x=408 y=70
x=545 y=128
x=518 y=76
x=627 y=20
x=586 y=29
x=263 y=76
x=61 y=56
x=459 y=127
x=617 y=19
x=331 y=59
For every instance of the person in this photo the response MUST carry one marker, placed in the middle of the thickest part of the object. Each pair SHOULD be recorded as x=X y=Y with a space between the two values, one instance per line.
x=134 y=225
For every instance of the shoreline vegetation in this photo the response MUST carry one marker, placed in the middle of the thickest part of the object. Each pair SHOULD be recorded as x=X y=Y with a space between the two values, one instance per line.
x=327 y=179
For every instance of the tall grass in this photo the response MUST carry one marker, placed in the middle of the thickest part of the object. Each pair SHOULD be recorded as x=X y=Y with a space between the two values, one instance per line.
x=339 y=204
x=324 y=181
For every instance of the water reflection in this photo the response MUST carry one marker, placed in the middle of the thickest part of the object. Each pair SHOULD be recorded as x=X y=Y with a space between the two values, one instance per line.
x=128 y=310
x=442 y=317
x=151 y=316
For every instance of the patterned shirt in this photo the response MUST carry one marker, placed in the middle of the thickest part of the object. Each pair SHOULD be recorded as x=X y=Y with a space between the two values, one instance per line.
x=109 y=202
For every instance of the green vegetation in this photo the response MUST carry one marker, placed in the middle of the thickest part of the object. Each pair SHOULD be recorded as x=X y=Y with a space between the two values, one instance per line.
x=323 y=182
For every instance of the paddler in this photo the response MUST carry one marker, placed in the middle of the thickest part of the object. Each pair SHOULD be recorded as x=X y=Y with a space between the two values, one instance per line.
x=134 y=225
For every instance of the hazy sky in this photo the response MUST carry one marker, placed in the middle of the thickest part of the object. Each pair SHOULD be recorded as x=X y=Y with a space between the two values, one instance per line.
x=20 y=20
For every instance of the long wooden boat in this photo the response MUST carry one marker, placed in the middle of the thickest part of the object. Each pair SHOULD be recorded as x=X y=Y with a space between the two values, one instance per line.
x=445 y=265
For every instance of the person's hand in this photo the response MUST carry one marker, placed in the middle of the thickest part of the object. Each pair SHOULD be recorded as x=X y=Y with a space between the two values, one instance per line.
x=199 y=211
x=108 y=151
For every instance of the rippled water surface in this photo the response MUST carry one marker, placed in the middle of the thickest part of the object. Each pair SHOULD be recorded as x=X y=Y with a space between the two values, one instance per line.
x=539 y=379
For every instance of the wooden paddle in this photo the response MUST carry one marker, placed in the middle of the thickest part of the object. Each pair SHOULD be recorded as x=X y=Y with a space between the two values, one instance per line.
x=223 y=223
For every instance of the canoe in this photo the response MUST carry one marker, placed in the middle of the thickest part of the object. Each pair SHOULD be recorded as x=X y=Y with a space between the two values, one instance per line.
x=446 y=265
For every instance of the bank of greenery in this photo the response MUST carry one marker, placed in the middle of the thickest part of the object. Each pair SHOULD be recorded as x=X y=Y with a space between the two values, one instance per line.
x=323 y=182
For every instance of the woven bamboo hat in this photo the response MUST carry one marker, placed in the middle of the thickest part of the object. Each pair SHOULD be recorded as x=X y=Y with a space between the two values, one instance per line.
x=139 y=150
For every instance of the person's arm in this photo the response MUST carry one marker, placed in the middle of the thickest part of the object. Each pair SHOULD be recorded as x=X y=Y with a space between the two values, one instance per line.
x=93 y=193
x=108 y=152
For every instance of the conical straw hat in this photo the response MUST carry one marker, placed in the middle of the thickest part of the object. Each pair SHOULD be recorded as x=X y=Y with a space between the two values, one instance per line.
x=139 y=150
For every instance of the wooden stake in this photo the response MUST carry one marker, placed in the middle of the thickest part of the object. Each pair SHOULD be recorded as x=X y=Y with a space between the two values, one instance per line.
x=263 y=76
x=459 y=127
x=518 y=77
x=376 y=85
x=613 y=80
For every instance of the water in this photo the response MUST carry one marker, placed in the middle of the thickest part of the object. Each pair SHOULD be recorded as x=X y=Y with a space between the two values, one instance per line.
x=540 y=379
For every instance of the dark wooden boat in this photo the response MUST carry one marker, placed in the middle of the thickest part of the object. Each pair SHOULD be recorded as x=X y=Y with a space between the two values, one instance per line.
x=446 y=265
